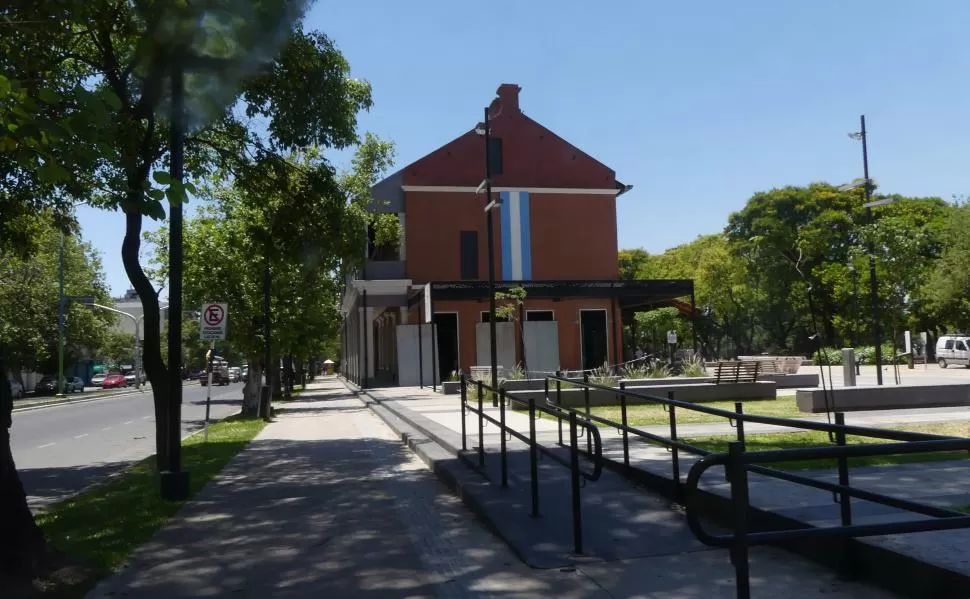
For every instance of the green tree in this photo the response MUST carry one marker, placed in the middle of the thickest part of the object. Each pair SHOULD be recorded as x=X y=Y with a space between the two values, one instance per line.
x=89 y=83
x=946 y=292
x=117 y=347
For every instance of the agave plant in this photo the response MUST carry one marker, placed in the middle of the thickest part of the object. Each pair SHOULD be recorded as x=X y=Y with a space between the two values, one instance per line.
x=694 y=366
x=636 y=371
x=603 y=376
x=659 y=370
x=517 y=373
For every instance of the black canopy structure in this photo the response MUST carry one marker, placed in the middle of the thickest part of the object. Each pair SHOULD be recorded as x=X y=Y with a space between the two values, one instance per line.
x=628 y=296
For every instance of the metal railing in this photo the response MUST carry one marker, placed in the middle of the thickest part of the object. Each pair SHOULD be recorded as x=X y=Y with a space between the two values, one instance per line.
x=738 y=463
x=591 y=432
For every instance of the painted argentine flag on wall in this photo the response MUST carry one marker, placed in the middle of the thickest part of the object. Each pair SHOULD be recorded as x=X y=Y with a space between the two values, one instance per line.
x=516 y=236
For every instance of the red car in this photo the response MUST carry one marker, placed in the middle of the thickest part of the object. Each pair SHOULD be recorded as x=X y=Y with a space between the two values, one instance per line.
x=114 y=381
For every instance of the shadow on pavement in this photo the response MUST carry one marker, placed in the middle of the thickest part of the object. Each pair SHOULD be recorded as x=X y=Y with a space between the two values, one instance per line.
x=45 y=486
x=335 y=518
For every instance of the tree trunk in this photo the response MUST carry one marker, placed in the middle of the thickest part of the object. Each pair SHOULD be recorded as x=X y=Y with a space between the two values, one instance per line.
x=23 y=546
x=151 y=351
x=287 y=377
x=250 y=407
x=275 y=376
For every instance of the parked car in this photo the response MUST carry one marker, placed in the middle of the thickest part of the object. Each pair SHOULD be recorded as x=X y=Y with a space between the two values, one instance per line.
x=97 y=379
x=953 y=349
x=113 y=381
x=16 y=389
x=48 y=385
x=235 y=374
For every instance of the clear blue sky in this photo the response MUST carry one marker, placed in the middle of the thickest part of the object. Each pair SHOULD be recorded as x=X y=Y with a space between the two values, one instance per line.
x=696 y=104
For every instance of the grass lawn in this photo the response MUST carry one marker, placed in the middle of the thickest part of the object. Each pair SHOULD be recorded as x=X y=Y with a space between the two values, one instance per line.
x=771 y=441
x=103 y=524
x=647 y=415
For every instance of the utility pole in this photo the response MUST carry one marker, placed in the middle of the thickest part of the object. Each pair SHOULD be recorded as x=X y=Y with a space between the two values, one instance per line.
x=873 y=287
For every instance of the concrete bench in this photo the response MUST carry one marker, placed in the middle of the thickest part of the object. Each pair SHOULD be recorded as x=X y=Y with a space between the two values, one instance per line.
x=736 y=371
x=888 y=397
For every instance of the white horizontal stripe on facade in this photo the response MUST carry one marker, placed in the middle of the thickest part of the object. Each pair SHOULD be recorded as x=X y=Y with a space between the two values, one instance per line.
x=461 y=189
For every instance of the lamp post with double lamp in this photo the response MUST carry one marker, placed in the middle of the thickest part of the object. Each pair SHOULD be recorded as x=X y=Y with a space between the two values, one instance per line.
x=867 y=184
x=136 y=320
x=486 y=187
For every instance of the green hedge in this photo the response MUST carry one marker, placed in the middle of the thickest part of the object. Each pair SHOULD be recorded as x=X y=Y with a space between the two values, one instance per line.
x=865 y=353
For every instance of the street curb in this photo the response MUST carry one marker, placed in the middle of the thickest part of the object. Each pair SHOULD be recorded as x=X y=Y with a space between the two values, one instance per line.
x=446 y=462
x=74 y=402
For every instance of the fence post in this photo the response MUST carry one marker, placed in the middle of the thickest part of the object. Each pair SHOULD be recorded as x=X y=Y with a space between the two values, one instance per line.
x=845 y=502
x=559 y=402
x=574 y=483
x=533 y=456
x=739 y=408
x=464 y=398
x=674 y=451
x=626 y=442
x=738 y=475
x=501 y=419
x=589 y=439
x=481 y=425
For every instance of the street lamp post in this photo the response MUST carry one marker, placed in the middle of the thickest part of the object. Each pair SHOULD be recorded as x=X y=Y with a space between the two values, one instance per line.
x=489 y=205
x=870 y=248
x=60 y=323
x=136 y=320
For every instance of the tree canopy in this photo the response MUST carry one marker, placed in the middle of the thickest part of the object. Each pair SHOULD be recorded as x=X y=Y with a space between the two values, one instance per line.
x=795 y=252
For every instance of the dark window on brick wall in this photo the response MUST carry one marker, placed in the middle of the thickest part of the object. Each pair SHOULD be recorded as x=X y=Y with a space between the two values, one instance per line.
x=495 y=155
x=469 y=254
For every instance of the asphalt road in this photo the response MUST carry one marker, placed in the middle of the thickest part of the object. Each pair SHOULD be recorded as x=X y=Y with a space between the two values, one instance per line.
x=60 y=450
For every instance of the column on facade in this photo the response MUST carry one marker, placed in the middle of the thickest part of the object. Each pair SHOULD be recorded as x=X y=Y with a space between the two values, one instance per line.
x=367 y=315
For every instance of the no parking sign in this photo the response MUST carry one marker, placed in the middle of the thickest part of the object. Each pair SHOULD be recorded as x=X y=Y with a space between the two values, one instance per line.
x=213 y=322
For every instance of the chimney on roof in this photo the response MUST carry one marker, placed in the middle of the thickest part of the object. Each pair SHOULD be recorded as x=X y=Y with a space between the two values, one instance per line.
x=508 y=97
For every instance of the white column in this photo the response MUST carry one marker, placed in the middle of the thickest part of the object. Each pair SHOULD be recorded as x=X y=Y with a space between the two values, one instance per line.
x=404 y=315
x=369 y=331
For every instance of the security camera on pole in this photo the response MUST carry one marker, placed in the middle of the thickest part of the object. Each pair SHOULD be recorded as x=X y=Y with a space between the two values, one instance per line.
x=212 y=328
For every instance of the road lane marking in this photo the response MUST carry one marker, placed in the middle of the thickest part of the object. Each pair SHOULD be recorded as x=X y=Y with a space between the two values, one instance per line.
x=45 y=445
x=147 y=417
x=128 y=421
x=81 y=436
x=107 y=428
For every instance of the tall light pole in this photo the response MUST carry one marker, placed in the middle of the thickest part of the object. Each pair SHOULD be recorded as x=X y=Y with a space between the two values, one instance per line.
x=870 y=247
x=486 y=185
x=60 y=324
x=136 y=320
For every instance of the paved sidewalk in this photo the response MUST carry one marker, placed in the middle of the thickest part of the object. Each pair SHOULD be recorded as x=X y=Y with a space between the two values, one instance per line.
x=941 y=483
x=327 y=502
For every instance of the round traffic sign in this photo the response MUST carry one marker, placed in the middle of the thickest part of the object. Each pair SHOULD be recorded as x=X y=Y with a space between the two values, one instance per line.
x=214 y=315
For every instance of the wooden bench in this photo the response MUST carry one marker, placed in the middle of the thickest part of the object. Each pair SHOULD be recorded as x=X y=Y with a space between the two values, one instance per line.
x=736 y=371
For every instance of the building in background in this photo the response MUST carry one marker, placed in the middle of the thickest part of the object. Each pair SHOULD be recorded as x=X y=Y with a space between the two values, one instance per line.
x=554 y=236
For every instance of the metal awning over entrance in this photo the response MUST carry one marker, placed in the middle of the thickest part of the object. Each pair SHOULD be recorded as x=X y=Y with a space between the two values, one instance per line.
x=630 y=294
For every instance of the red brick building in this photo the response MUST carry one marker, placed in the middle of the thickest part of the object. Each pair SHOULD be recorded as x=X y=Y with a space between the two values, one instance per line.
x=554 y=236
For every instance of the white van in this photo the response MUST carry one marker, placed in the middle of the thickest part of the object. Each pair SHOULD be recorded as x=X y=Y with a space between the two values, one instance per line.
x=953 y=349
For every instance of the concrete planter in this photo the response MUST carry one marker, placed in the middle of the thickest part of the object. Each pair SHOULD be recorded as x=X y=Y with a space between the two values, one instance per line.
x=697 y=393
x=895 y=397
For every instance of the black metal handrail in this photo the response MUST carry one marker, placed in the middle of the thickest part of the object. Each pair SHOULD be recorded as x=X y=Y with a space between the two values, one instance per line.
x=590 y=431
x=738 y=463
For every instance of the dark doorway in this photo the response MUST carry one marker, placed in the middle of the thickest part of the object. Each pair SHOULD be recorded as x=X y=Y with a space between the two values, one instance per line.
x=446 y=325
x=539 y=316
x=593 y=338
